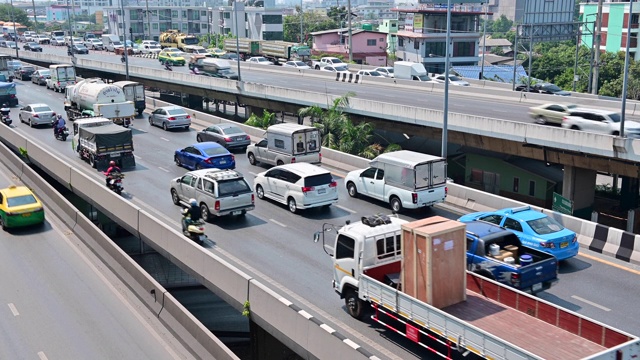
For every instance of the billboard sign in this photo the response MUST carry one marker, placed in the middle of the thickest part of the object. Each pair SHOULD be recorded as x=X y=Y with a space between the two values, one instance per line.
x=418 y=23
x=408 y=22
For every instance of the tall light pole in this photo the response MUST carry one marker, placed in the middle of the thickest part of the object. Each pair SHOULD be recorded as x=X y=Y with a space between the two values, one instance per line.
x=235 y=13
x=596 y=58
x=484 y=40
x=445 y=117
x=15 y=33
x=70 y=31
x=124 y=41
x=301 y=33
x=35 y=19
x=349 y=15
x=149 y=21
x=625 y=80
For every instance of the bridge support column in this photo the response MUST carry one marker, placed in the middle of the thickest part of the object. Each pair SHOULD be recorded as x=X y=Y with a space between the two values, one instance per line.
x=236 y=109
x=629 y=193
x=224 y=108
x=195 y=102
x=579 y=185
x=265 y=346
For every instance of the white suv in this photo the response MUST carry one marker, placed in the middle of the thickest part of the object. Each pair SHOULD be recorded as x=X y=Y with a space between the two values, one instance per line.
x=298 y=185
x=218 y=192
x=599 y=121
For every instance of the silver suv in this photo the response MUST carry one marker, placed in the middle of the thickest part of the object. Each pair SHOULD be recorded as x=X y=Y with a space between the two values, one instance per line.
x=218 y=192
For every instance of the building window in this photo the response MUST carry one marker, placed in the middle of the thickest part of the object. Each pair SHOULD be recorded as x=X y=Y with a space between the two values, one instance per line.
x=203 y=13
x=435 y=48
x=532 y=188
x=371 y=42
x=461 y=49
x=204 y=26
x=184 y=14
x=635 y=18
x=174 y=14
x=154 y=12
x=416 y=44
x=185 y=28
x=516 y=184
x=154 y=26
x=227 y=15
x=272 y=35
x=271 y=19
x=400 y=42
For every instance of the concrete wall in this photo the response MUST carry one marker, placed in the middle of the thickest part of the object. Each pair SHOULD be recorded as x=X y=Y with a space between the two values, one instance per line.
x=296 y=328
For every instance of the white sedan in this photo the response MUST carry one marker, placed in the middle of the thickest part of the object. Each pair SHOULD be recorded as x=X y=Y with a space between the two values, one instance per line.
x=453 y=80
x=599 y=121
x=57 y=41
x=296 y=64
x=370 y=73
x=386 y=71
x=550 y=113
x=337 y=69
x=260 y=60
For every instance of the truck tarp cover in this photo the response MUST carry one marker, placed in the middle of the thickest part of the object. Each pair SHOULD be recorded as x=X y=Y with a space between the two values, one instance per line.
x=6 y=88
x=107 y=135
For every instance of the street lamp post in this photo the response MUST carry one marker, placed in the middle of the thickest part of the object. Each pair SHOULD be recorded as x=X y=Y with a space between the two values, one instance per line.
x=124 y=40
x=301 y=33
x=349 y=15
x=70 y=33
x=235 y=12
x=625 y=80
x=15 y=33
x=149 y=20
x=445 y=117
x=484 y=40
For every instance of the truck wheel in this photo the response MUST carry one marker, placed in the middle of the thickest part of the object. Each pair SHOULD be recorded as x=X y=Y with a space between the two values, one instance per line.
x=252 y=158
x=92 y=161
x=396 y=204
x=353 y=304
x=204 y=211
x=352 y=190
x=174 y=197
x=291 y=202
x=260 y=192
x=279 y=162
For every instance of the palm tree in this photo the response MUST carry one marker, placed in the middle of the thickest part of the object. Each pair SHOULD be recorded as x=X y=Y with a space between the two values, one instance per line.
x=315 y=112
x=267 y=119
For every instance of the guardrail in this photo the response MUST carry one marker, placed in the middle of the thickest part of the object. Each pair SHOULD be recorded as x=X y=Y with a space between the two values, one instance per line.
x=610 y=241
x=288 y=322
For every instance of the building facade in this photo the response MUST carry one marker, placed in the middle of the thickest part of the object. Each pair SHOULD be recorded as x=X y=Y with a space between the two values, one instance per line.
x=422 y=35
x=256 y=23
x=368 y=47
x=615 y=22
x=61 y=12
x=390 y=27
x=89 y=7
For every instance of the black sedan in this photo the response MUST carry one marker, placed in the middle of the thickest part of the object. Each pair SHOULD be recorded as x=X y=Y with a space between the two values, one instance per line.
x=24 y=72
x=79 y=49
x=31 y=46
x=543 y=88
x=40 y=77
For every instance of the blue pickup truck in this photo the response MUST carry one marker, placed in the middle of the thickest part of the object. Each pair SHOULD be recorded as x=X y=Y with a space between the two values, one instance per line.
x=496 y=253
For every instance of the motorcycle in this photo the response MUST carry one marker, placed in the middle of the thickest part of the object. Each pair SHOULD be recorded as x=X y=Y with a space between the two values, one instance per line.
x=5 y=118
x=115 y=183
x=123 y=59
x=168 y=66
x=61 y=134
x=195 y=230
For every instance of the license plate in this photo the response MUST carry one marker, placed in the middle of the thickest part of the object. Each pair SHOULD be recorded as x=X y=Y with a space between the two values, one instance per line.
x=115 y=154
x=322 y=191
x=236 y=212
x=223 y=161
x=26 y=215
x=564 y=244
x=239 y=138
x=536 y=287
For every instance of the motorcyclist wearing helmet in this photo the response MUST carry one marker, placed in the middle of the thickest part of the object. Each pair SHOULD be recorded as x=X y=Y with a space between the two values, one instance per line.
x=113 y=168
x=191 y=215
x=5 y=110
x=59 y=124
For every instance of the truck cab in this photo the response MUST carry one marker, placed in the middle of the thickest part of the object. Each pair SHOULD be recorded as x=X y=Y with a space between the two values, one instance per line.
x=285 y=144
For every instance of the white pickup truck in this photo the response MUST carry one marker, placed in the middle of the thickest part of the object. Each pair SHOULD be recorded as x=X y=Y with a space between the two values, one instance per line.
x=405 y=179
x=333 y=61
x=285 y=144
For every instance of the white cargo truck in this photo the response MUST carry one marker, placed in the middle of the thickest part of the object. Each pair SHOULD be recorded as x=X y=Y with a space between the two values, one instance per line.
x=405 y=179
x=285 y=144
x=92 y=97
x=406 y=70
x=62 y=75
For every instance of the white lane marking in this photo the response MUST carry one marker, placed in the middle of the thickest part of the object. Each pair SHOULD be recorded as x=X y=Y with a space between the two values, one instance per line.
x=137 y=157
x=163 y=169
x=277 y=222
x=42 y=356
x=346 y=209
x=590 y=303
x=165 y=139
x=13 y=309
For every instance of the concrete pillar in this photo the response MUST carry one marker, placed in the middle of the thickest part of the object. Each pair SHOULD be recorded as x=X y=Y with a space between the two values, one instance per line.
x=195 y=102
x=265 y=346
x=224 y=108
x=236 y=109
x=629 y=193
x=579 y=185
x=300 y=120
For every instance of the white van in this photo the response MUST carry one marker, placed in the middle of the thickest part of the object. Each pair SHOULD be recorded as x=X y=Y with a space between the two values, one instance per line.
x=404 y=179
x=287 y=143
x=62 y=75
x=111 y=42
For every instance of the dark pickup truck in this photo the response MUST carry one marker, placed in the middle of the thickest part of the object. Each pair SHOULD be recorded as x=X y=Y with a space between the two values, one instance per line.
x=496 y=253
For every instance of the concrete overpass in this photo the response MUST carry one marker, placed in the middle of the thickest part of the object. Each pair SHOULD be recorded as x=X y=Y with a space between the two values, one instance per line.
x=582 y=154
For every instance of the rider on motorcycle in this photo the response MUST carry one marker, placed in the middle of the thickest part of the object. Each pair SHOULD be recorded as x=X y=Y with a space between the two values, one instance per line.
x=58 y=125
x=5 y=110
x=191 y=215
x=113 y=168
x=167 y=65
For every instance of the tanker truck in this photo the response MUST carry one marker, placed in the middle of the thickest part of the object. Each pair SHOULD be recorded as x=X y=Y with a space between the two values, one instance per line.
x=174 y=38
x=92 y=97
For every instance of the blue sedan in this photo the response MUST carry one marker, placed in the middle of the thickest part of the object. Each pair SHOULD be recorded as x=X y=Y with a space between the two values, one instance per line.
x=535 y=230
x=205 y=155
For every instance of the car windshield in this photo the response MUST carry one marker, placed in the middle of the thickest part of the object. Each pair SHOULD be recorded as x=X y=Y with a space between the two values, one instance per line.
x=232 y=130
x=551 y=87
x=117 y=43
x=80 y=46
x=615 y=117
x=40 y=109
x=545 y=225
x=176 y=112
x=29 y=68
x=374 y=73
x=231 y=187
x=317 y=180
x=214 y=151
x=390 y=70
x=154 y=47
x=341 y=68
x=45 y=72
x=300 y=63
x=572 y=106
x=262 y=60
x=454 y=78
x=335 y=61
x=21 y=200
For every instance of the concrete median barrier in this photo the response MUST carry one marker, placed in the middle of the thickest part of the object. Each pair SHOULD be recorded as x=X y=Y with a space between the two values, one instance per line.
x=58 y=168
x=13 y=162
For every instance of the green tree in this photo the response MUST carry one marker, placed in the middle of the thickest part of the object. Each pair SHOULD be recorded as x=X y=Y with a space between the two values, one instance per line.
x=263 y=122
x=19 y=15
x=497 y=51
x=312 y=21
x=337 y=14
x=501 y=25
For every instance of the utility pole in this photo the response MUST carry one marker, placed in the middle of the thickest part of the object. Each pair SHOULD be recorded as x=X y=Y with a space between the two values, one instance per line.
x=445 y=117
x=301 y=33
x=484 y=40
x=575 y=64
x=625 y=80
x=596 y=57
x=35 y=20
x=349 y=15
x=149 y=21
x=124 y=41
x=235 y=12
x=15 y=33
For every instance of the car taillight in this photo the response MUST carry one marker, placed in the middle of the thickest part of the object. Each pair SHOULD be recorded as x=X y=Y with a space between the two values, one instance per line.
x=209 y=161
x=233 y=158
x=333 y=184
x=217 y=206
x=446 y=191
x=414 y=198
x=320 y=156
x=306 y=189
x=293 y=160
x=548 y=245
x=36 y=116
x=247 y=137
x=564 y=118
x=515 y=279
x=188 y=116
x=253 y=198
x=171 y=118
x=228 y=139
x=575 y=238
x=58 y=83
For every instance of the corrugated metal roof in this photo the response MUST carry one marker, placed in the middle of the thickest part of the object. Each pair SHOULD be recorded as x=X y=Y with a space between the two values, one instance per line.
x=499 y=73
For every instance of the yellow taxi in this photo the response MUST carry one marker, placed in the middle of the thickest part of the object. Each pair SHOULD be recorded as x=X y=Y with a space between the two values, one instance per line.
x=19 y=207
x=174 y=57
x=216 y=52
